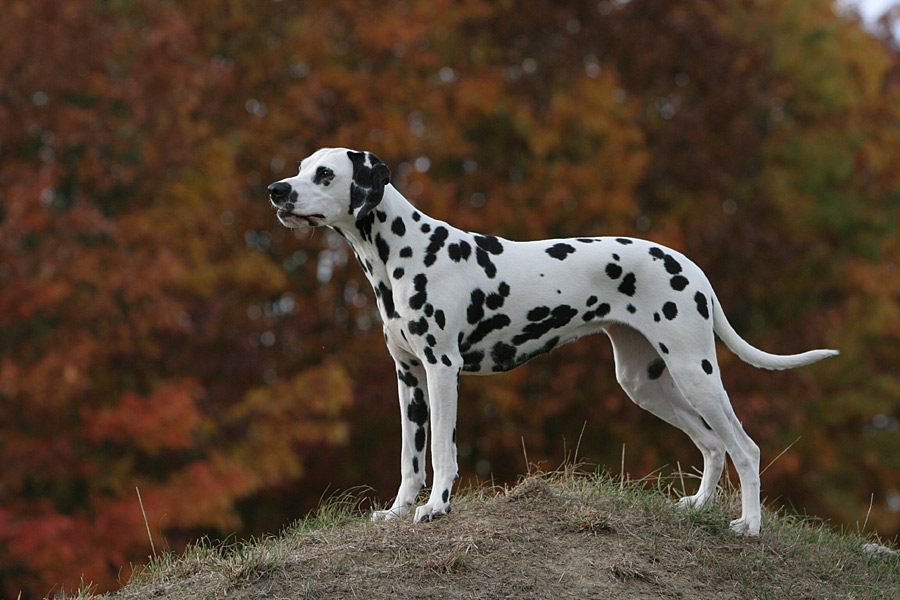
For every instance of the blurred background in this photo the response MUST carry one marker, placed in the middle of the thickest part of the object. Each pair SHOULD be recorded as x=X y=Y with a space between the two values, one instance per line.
x=160 y=330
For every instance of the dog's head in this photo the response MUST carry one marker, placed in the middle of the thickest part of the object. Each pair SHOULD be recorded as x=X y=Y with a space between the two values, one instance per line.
x=334 y=185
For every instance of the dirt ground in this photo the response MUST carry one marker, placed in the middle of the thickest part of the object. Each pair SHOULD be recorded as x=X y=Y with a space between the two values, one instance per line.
x=535 y=541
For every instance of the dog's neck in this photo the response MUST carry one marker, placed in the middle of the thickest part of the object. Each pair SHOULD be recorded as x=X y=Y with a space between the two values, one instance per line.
x=381 y=238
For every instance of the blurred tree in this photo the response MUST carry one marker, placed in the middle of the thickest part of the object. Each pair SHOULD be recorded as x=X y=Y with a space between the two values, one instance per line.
x=159 y=330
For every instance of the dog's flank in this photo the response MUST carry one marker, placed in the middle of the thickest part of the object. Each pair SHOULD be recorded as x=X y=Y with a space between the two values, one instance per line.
x=454 y=301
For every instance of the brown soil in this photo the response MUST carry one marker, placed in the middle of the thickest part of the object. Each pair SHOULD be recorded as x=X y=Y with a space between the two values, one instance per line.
x=538 y=540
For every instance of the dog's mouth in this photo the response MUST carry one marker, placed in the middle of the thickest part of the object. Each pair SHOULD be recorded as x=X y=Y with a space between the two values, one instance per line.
x=289 y=219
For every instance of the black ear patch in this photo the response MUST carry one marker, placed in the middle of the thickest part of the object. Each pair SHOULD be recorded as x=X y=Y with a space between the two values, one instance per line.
x=370 y=175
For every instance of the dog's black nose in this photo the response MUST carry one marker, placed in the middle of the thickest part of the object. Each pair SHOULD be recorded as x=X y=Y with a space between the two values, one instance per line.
x=280 y=191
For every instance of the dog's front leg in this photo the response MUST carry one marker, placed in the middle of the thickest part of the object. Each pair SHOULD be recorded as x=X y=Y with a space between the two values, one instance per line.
x=413 y=394
x=443 y=387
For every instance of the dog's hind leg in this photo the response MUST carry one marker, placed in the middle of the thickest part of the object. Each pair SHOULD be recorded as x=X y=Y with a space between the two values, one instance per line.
x=644 y=376
x=699 y=380
x=413 y=393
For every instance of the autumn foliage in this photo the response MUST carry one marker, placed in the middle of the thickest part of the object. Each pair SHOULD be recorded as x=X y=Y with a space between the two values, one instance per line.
x=160 y=331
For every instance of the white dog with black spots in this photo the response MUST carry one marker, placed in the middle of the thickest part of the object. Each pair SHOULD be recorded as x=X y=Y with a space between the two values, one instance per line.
x=456 y=302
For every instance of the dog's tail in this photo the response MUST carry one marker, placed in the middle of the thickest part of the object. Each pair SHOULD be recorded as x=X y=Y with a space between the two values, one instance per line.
x=755 y=356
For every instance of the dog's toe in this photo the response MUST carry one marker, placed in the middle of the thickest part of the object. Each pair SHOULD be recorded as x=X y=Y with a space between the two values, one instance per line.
x=427 y=513
x=744 y=527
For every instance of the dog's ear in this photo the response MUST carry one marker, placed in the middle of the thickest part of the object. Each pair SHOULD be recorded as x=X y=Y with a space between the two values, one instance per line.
x=370 y=176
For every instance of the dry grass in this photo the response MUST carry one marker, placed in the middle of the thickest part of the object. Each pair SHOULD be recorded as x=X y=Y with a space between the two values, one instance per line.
x=558 y=535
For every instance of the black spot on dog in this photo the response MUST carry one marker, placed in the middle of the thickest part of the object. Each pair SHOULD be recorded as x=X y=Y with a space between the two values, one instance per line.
x=656 y=368
x=398 y=273
x=678 y=283
x=415 y=463
x=631 y=308
x=627 y=286
x=364 y=226
x=523 y=358
x=472 y=360
x=446 y=360
x=504 y=289
x=435 y=243
x=613 y=270
x=418 y=327
x=460 y=251
x=429 y=354
x=624 y=241
x=702 y=306
x=429 y=309
x=538 y=313
x=707 y=366
x=657 y=253
x=431 y=340
x=406 y=252
x=475 y=311
x=591 y=301
x=601 y=311
x=416 y=216
x=494 y=301
x=440 y=319
x=486 y=326
x=504 y=356
x=670 y=310
x=425 y=228
x=382 y=216
x=387 y=299
x=398 y=227
x=485 y=262
x=417 y=300
x=615 y=256
x=420 y=439
x=408 y=378
x=586 y=240
x=445 y=496
x=559 y=317
x=656 y=317
x=663 y=348
x=489 y=243
x=560 y=251
x=324 y=176
x=672 y=265
x=370 y=176
x=417 y=411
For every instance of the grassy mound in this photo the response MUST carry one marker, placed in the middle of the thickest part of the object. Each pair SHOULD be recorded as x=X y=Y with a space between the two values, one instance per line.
x=555 y=536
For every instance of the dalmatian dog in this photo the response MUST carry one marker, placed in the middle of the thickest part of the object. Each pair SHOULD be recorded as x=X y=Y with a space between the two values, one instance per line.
x=455 y=302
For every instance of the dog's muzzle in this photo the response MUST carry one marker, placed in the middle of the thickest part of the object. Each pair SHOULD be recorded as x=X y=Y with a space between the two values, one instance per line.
x=279 y=193
x=283 y=197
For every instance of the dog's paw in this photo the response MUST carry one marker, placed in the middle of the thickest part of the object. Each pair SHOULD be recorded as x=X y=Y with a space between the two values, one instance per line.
x=427 y=513
x=390 y=514
x=746 y=527
x=686 y=504
x=691 y=503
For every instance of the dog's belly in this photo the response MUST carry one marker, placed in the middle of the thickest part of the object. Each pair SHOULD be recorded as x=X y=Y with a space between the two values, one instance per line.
x=500 y=353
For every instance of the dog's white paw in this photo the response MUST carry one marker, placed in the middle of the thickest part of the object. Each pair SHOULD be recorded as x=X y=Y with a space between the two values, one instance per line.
x=390 y=514
x=746 y=527
x=689 y=503
x=430 y=512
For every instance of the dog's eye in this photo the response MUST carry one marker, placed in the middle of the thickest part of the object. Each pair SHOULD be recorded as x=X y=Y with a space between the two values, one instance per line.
x=324 y=175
